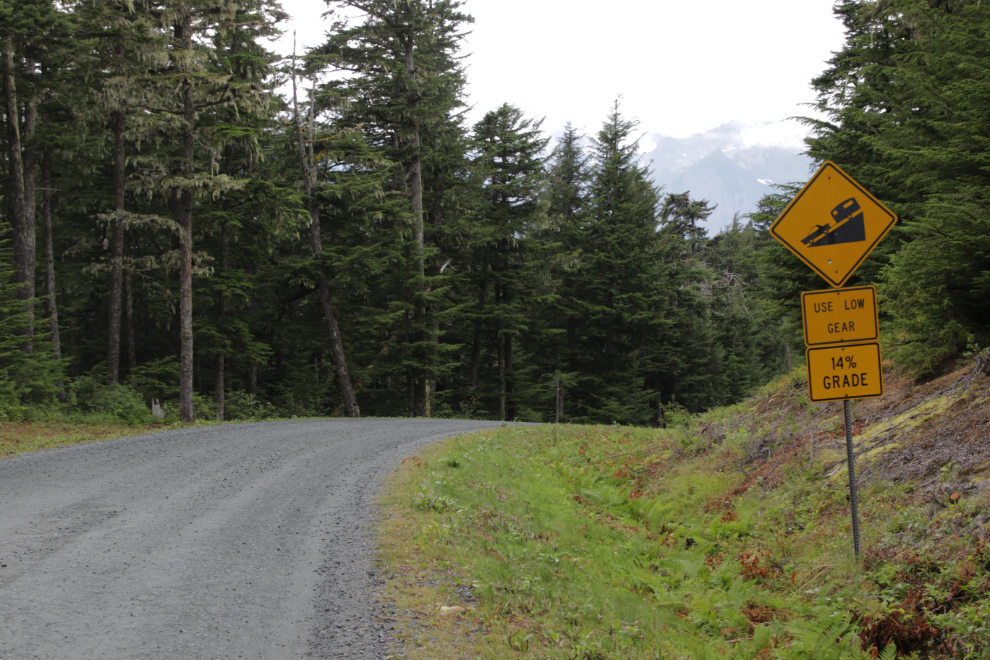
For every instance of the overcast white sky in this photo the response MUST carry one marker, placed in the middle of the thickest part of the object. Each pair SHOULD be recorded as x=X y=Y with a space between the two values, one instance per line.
x=681 y=66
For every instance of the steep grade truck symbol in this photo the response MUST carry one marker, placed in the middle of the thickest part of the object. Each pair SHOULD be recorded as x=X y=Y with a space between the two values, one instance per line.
x=833 y=246
x=847 y=226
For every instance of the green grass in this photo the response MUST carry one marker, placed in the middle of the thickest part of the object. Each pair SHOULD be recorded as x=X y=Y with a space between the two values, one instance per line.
x=53 y=428
x=28 y=435
x=21 y=437
x=605 y=542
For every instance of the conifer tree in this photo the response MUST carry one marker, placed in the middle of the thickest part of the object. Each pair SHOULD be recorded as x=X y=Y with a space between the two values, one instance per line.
x=463 y=274
x=510 y=164
x=618 y=305
x=690 y=370
x=741 y=323
x=239 y=130
x=566 y=200
x=911 y=131
x=22 y=229
x=188 y=175
x=25 y=378
x=25 y=29
x=406 y=78
x=127 y=43
x=12 y=319
x=782 y=278
x=308 y=163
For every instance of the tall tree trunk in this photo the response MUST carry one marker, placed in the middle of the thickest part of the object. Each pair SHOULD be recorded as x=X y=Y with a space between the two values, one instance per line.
x=416 y=188
x=500 y=349
x=436 y=219
x=422 y=393
x=23 y=234
x=119 y=119
x=221 y=356
x=252 y=366
x=501 y=371
x=46 y=212
x=509 y=389
x=30 y=224
x=476 y=350
x=129 y=310
x=218 y=385
x=183 y=34
x=307 y=163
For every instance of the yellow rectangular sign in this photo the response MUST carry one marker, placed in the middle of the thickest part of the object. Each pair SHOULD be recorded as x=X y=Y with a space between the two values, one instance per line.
x=834 y=316
x=850 y=371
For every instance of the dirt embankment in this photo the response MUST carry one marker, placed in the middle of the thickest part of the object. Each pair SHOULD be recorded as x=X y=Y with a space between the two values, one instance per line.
x=932 y=434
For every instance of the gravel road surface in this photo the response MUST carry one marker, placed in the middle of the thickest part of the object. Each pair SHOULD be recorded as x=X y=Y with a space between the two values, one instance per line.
x=237 y=541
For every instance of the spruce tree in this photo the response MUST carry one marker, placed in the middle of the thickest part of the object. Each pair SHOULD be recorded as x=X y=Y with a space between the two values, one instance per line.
x=510 y=164
x=910 y=130
x=690 y=370
x=239 y=129
x=558 y=254
x=25 y=29
x=742 y=324
x=12 y=320
x=126 y=43
x=618 y=302
x=189 y=173
x=26 y=379
x=406 y=79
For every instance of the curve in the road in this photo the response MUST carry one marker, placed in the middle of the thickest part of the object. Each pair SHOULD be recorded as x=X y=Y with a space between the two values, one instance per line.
x=234 y=541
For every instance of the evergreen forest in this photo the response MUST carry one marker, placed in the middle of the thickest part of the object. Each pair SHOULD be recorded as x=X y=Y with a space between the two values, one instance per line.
x=188 y=218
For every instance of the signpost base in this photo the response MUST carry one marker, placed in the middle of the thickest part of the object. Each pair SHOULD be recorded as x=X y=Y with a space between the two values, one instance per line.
x=851 y=457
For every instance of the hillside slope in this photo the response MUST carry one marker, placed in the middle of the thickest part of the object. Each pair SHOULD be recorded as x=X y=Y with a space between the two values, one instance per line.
x=725 y=535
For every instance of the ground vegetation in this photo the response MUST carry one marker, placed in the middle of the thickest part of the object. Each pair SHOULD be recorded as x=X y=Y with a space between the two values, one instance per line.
x=727 y=534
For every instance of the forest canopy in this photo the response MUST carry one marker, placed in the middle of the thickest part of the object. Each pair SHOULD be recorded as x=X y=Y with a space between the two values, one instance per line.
x=188 y=218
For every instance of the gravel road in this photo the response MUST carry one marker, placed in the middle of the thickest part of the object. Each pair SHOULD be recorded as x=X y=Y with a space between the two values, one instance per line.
x=236 y=541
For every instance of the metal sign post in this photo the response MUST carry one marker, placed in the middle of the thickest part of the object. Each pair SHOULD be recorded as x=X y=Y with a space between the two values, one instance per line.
x=851 y=458
x=832 y=225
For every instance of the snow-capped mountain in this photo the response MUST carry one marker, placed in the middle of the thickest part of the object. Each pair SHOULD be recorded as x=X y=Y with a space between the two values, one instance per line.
x=732 y=166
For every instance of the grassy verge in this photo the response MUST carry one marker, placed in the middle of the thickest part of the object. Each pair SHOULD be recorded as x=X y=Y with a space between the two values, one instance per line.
x=21 y=437
x=726 y=538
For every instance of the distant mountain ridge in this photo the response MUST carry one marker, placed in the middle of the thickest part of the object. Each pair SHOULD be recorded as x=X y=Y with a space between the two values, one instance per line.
x=719 y=165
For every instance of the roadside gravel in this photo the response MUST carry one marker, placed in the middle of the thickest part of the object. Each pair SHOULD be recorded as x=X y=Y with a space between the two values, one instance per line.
x=233 y=541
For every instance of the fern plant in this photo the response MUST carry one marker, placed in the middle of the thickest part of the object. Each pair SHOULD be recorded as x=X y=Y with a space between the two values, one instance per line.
x=823 y=637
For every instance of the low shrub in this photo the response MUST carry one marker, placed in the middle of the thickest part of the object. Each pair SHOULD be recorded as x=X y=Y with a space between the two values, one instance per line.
x=11 y=409
x=119 y=403
x=204 y=408
x=239 y=405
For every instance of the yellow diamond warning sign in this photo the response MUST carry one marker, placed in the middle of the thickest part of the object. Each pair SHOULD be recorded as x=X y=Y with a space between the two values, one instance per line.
x=833 y=224
x=844 y=372
x=835 y=316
